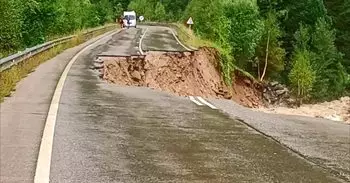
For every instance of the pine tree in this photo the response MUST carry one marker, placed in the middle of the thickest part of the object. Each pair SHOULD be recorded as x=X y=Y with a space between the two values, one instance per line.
x=326 y=62
x=302 y=76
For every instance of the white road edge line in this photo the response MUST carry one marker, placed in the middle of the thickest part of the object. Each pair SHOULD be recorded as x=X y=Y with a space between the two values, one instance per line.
x=42 y=172
x=206 y=103
x=177 y=39
x=195 y=101
x=140 y=43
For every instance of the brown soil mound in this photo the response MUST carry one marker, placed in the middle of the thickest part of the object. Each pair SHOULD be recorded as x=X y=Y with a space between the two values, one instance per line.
x=185 y=74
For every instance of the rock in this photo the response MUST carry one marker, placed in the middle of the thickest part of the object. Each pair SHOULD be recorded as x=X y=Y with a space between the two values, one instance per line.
x=98 y=66
x=274 y=99
x=221 y=89
x=227 y=96
x=266 y=96
x=279 y=87
x=136 y=75
x=291 y=102
x=99 y=60
x=273 y=84
x=142 y=73
x=187 y=54
x=178 y=75
x=147 y=66
x=281 y=92
x=247 y=81
x=250 y=105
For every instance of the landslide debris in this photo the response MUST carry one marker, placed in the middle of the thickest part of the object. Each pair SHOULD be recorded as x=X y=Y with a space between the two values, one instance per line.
x=184 y=73
x=337 y=110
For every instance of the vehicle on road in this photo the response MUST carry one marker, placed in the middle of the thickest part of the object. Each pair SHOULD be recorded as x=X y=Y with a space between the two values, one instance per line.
x=129 y=19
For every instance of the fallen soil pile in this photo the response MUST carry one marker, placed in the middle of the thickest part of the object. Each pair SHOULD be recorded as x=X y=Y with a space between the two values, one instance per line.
x=338 y=110
x=186 y=74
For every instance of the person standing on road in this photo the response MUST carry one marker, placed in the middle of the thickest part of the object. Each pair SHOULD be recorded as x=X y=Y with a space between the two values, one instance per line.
x=121 y=21
x=128 y=21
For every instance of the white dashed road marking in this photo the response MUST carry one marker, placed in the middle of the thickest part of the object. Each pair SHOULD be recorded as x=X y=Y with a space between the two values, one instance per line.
x=200 y=101
x=206 y=103
x=195 y=101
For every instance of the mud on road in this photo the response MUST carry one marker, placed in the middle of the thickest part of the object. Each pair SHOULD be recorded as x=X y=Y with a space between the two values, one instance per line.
x=194 y=73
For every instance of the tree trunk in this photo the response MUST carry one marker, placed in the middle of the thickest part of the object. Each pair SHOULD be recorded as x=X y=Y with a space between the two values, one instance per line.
x=267 y=55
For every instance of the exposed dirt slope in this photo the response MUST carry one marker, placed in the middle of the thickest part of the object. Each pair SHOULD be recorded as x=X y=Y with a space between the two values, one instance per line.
x=185 y=74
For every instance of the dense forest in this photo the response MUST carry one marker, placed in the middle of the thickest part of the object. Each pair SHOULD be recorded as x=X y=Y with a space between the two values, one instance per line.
x=302 y=43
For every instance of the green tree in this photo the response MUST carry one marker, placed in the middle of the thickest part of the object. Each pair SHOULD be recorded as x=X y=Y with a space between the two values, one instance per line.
x=159 y=13
x=211 y=23
x=245 y=29
x=269 y=52
x=302 y=76
x=331 y=75
x=10 y=27
x=142 y=7
x=339 y=10
x=118 y=10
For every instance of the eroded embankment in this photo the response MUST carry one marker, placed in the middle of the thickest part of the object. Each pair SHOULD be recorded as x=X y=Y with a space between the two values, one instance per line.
x=187 y=74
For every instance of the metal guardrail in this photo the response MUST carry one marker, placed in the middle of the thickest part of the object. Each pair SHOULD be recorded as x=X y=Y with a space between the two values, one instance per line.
x=8 y=62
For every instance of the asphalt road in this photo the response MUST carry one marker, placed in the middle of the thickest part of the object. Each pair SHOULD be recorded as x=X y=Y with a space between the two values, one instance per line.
x=110 y=133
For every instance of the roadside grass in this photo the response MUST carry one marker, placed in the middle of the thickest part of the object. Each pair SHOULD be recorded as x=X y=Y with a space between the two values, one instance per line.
x=10 y=77
x=191 y=40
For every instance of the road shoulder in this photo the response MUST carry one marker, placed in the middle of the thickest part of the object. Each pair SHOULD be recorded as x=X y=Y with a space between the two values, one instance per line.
x=22 y=117
x=323 y=142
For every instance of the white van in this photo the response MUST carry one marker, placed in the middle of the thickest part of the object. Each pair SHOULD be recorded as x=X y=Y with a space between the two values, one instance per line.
x=131 y=16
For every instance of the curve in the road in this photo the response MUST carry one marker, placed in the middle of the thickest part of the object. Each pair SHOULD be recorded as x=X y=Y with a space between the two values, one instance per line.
x=140 y=43
x=177 y=39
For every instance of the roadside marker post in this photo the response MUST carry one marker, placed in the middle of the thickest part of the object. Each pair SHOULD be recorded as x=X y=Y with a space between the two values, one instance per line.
x=190 y=22
x=141 y=18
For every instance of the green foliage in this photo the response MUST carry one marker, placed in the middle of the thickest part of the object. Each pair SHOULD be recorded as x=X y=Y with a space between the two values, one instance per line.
x=175 y=8
x=302 y=76
x=25 y=23
x=296 y=37
x=275 y=53
x=326 y=61
x=245 y=29
x=10 y=27
x=142 y=7
x=118 y=10
x=159 y=13
x=211 y=23
x=210 y=19
x=339 y=10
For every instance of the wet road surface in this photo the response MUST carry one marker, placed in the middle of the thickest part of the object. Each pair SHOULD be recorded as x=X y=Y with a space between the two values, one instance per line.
x=109 y=133
x=159 y=38
x=23 y=115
